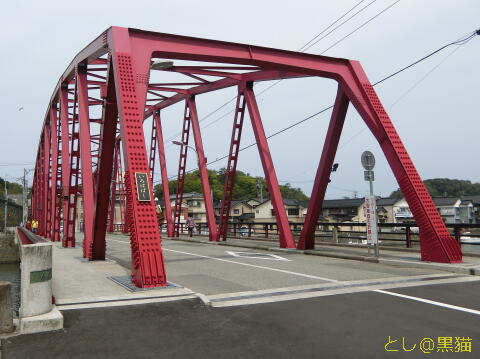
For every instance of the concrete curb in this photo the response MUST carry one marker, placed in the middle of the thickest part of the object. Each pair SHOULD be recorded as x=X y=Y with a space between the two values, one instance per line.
x=429 y=265
x=42 y=323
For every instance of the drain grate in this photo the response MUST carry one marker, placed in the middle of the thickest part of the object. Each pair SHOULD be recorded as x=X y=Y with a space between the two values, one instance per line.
x=254 y=255
x=126 y=282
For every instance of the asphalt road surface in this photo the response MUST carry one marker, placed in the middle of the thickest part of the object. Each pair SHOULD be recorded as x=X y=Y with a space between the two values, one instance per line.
x=339 y=326
x=335 y=325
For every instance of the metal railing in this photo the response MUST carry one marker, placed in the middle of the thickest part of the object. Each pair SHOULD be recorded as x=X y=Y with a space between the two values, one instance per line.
x=406 y=233
x=351 y=232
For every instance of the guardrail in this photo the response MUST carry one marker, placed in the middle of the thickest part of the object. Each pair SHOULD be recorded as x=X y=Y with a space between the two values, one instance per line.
x=395 y=232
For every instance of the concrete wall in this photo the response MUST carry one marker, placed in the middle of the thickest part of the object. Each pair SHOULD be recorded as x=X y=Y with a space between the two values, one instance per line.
x=36 y=279
x=6 y=317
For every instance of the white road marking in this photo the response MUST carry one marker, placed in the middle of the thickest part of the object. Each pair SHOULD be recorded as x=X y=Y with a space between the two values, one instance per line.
x=428 y=301
x=252 y=255
x=417 y=299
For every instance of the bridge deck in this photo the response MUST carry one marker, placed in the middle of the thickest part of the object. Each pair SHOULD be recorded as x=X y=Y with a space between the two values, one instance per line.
x=341 y=306
x=239 y=272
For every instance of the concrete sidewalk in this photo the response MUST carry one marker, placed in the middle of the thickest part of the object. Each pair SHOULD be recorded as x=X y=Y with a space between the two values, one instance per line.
x=391 y=256
x=79 y=283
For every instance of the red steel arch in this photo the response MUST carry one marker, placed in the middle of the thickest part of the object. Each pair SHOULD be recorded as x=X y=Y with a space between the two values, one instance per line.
x=96 y=113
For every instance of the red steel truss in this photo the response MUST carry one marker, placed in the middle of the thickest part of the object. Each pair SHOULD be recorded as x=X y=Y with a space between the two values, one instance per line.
x=109 y=84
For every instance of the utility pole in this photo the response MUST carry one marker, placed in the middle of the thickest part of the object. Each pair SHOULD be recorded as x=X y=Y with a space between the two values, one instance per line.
x=6 y=204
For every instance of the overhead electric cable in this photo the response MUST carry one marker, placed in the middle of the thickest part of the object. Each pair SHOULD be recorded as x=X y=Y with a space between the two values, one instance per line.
x=302 y=49
x=463 y=41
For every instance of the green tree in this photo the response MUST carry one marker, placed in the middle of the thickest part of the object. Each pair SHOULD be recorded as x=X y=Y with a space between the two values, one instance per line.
x=245 y=187
x=12 y=188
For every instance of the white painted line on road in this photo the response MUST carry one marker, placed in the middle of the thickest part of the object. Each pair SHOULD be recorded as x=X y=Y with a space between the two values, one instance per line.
x=428 y=301
x=243 y=264
x=252 y=255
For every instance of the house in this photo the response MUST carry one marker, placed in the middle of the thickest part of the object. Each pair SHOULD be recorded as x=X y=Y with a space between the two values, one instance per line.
x=342 y=210
x=240 y=211
x=476 y=206
x=192 y=205
x=295 y=209
x=390 y=210
x=455 y=210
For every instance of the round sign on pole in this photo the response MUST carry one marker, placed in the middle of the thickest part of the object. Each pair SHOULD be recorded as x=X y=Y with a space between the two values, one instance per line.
x=368 y=160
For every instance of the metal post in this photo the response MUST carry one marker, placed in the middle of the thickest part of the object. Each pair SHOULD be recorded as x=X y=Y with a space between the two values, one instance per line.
x=163 y=172
x=104 y=169
x=88 y=189
x=307 y=236
x=408 y=235
x=286 y=237
x=202 y=167
x=376 y=251
x=456 y=232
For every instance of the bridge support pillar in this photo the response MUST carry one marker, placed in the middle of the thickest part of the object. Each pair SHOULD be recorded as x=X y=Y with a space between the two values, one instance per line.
x=286 y=236
x=307 y=236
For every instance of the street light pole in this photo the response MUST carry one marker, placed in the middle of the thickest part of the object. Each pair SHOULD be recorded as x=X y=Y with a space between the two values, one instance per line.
x=178 y=143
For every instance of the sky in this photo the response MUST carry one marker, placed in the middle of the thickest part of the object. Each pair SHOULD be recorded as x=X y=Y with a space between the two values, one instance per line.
x=434 y=105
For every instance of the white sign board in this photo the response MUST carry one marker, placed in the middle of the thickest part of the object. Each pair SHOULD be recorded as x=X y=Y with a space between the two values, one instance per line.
x=371 y=219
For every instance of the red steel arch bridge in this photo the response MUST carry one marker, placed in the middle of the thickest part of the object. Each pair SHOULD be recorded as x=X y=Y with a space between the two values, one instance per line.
x=92 y=142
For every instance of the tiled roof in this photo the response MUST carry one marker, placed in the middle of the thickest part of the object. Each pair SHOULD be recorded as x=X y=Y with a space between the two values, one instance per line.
x=342 y=203
x=445 y=201
x=475 y=199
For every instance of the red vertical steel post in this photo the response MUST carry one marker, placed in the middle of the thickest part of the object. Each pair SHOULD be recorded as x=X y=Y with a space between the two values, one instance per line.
x=121 y=188
x=113 y=195
x=36 y=177
x=86 y=161
x=231 y=165
x=286 y=237
x=104 y=168
x=182 y=165
x=68 y=239
x=202 y=166
x=36 y=184
x=307 y=236
x=131 y=80
x=163 y=173
x=153 y=149
x=53 y=195
x=45 y=221
x=436 y=243
x=49 y=179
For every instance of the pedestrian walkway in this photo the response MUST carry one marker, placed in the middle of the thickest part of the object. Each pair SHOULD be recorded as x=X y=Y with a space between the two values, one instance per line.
x=79 y=283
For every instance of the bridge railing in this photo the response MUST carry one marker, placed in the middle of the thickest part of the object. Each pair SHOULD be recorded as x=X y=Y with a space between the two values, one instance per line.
x=395 y=234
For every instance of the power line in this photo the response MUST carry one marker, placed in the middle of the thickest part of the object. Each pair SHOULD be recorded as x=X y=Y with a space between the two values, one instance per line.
x=362 y=25
x=302 y=49
x=16 y=164
x=458 y=42
x=343 y=23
